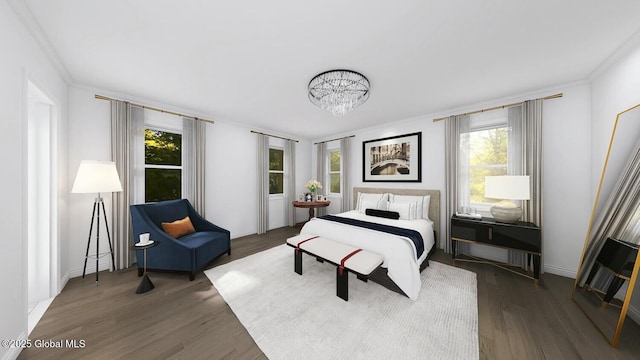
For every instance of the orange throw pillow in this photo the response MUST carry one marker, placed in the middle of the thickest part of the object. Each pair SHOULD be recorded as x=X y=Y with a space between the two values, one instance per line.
x=179 y=228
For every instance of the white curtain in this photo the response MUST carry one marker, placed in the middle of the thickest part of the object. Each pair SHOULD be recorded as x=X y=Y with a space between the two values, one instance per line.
x=263 y=183
x=194 y=137
x=136 y=168
x=321 y=172
x=456 y=165
x=290 y=181
x=525 y=158
x=345 y=187
x=127 y=127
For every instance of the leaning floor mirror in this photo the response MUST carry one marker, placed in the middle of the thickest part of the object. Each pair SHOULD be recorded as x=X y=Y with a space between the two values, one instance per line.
x=609 y=266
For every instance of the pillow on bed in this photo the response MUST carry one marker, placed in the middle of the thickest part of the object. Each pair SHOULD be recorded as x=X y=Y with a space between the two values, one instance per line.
x=421 y=203
x=407 y=211
x=380 y=201
x=383 y=214
x=372 y=204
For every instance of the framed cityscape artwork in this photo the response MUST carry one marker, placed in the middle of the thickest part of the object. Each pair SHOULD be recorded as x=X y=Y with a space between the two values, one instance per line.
x=392 y=159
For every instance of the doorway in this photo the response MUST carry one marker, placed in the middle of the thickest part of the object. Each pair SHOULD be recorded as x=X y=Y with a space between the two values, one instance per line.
x=41 y=223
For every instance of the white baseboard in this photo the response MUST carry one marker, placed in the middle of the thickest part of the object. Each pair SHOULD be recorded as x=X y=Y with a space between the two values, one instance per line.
x=560 y=271
x=489 y=253
x=243 y=234
x=63 y=282
x=13 y=353
x=634 y=314
x=103 y=264
x=38 y=311
x=501 y=255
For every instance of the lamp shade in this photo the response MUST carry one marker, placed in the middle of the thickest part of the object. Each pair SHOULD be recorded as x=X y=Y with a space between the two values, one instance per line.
x=507 y=187
x=96 y=177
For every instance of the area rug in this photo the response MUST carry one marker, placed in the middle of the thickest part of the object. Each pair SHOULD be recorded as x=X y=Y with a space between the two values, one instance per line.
x=293 y=316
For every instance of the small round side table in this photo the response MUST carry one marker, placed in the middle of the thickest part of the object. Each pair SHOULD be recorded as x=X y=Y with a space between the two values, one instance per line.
x=311 y=205
x=145 y=283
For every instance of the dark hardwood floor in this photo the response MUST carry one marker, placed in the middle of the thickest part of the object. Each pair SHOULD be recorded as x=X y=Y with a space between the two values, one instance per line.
x=182 y=319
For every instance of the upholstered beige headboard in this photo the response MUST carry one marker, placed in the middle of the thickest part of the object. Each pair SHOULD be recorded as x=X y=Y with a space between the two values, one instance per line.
x=434 y=204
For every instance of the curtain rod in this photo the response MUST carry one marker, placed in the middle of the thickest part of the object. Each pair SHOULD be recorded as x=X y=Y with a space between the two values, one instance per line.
x=326 y=141
x=156 y=109
x=500 y=107
x=275 y=136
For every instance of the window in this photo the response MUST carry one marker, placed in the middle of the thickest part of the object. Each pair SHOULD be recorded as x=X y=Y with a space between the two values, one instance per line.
x=483 y=153
x=163 y=165
x=487 y=157
x=276 y=171
x=334 y=171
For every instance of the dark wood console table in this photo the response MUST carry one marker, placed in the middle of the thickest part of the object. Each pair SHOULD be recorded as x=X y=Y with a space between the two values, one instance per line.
x=521 y=236
x=311 y=205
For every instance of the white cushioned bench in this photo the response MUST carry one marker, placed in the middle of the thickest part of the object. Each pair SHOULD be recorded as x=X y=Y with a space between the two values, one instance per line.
x=346 y=258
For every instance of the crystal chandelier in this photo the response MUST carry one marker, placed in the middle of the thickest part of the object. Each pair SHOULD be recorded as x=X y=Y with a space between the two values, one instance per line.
x=339 y=91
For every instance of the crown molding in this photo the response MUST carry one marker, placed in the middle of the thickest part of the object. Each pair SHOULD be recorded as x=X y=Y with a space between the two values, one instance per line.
x=630 y=45
x=180 y=109
x=24 y=14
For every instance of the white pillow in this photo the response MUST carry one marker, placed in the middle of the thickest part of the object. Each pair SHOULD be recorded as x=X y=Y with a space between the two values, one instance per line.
x=426 y=202
x=421 y=203
x=380 y=199
x=372 y=204
x=403 y=199
x=407 y=211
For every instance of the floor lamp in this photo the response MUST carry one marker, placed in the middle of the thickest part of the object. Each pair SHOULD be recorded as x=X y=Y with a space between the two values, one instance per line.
x=97 y=177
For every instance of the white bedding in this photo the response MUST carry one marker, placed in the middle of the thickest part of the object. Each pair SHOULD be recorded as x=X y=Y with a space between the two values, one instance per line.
x=399 y=252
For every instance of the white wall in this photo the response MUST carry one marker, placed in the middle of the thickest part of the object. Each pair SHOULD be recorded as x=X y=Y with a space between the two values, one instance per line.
x=566 y=141
x=232 y=194
x=22 y=60
x=615 y=88
x=39 y=201
x=304 y=169
x=432 y=154
x=567 y=165
x=89 y=139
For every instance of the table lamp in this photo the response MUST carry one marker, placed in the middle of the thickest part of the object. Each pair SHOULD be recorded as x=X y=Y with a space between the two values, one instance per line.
x=97 y=177
x=507 y=188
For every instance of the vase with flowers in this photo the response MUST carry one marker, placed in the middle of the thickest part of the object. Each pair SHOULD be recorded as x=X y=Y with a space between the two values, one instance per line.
x=313 y=186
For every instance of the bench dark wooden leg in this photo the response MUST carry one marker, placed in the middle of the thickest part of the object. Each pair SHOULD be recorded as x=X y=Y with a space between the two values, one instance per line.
x=342 y=284
x=297 y=262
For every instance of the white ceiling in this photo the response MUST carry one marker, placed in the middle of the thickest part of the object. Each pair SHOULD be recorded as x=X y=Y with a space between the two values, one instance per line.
x=250 y=61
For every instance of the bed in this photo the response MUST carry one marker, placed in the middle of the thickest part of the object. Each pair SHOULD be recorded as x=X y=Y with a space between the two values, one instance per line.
x=419 y=211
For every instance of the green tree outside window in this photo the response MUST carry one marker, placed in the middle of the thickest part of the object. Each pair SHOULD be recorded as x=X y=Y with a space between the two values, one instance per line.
x=276 y=171
x=488 y=157
x=334 y=171
x=163 y=165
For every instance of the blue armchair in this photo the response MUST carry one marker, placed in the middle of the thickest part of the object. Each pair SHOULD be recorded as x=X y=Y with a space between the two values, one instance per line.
x=189 y=253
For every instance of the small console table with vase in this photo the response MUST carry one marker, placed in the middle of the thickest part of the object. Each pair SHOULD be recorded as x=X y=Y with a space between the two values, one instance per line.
x=520 y=236
x=311 y=205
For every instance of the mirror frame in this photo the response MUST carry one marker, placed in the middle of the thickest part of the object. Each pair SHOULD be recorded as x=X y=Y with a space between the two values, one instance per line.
x=634 y=275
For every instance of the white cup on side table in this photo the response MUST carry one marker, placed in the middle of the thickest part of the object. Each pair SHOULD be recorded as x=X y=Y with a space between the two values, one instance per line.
x=144 y=239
